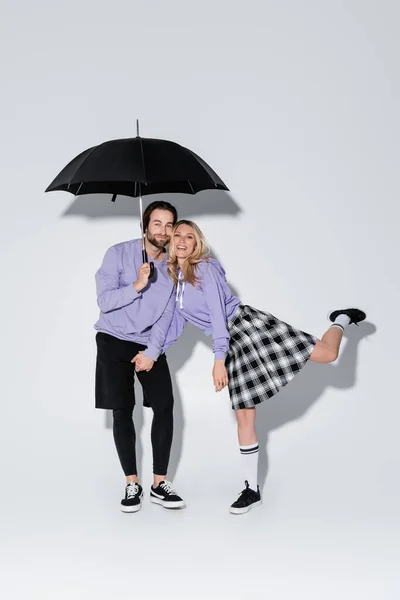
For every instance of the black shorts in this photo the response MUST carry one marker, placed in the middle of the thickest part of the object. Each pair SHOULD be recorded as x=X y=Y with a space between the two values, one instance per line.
x=115 y=375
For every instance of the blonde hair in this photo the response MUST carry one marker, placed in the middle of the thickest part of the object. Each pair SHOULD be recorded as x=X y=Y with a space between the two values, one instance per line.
x=201 y=252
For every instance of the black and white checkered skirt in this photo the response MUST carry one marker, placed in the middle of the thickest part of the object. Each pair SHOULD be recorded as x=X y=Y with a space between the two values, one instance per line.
x=264 y=355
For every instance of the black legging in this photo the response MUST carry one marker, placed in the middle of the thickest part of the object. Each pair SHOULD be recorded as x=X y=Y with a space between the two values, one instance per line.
x=161 y=438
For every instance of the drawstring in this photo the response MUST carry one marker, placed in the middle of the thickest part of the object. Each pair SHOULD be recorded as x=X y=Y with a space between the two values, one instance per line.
x=183 y=289
x=180 y=276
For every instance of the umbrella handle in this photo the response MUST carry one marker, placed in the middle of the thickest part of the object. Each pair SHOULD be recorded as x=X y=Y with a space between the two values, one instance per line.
x=145 y=260
x=151 y=270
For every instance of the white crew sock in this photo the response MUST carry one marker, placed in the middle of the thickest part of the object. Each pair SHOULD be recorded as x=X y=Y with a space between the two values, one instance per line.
x=341 y=321
x=250 y=463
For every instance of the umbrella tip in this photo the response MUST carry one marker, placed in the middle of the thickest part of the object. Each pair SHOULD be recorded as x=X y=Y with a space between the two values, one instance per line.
x=137 y=128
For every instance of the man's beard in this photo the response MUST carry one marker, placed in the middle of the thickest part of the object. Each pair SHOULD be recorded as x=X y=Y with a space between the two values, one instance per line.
x=157 y=243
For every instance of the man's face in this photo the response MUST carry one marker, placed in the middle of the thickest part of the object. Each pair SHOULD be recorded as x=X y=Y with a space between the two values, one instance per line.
x=160 y=227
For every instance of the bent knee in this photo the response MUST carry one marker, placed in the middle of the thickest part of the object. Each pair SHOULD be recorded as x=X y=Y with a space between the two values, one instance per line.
x=331 y=355
x=123 y=415
x=165 y=409
x=324 y=353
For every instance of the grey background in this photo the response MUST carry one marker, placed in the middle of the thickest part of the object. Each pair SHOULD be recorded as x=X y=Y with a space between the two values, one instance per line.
x=295 y=105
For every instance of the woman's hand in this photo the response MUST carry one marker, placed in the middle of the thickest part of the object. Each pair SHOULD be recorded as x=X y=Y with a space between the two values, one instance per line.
x=220 y=375
x=142 y=362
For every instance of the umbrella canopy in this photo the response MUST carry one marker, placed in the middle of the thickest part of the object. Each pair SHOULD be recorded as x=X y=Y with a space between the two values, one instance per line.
x=137 y=167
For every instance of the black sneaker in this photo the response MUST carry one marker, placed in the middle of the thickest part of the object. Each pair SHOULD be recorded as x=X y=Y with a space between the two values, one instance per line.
x=247 y=500
x=165 y=495
x=355 y=315
x=133 y=498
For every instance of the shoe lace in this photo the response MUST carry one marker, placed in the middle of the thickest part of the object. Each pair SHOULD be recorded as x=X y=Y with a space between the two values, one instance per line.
x=132 y=490
x=244 y=492
x=167 y=487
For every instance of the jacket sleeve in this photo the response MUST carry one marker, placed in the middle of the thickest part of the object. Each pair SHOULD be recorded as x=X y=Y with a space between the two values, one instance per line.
x=110 y=296
x=215 y=300
x=160 y=329
x=175 y=330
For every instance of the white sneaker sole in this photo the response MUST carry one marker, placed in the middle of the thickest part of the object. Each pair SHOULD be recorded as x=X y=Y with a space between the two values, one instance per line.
x=134 y=508
x=241 y=511
x=167 y=504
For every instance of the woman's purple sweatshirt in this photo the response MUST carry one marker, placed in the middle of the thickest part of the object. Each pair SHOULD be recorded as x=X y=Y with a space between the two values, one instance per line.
x=208 y=306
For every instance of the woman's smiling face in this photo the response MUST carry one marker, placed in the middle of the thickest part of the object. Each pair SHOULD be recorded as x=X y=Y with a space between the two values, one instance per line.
x=184 y=241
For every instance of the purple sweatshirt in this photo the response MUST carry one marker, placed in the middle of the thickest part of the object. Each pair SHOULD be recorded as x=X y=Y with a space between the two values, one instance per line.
x=209 y=307
x=143 y=317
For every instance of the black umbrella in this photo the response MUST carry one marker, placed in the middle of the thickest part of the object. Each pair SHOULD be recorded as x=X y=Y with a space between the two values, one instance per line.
x=137 y=167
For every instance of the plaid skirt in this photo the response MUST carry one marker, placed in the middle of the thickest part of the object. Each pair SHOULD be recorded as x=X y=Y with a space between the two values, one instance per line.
x=264 y=355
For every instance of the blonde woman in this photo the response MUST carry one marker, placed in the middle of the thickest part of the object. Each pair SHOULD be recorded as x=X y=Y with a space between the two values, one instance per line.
x=255 y=353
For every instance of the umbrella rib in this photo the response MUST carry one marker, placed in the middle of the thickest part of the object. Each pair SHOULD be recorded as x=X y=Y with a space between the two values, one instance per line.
x=142 y=153
x=86 y=157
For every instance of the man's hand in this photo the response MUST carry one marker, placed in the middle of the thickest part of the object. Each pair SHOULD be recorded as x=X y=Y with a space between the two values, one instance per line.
x=220 y=375
x=142 y=362
x=143 y=277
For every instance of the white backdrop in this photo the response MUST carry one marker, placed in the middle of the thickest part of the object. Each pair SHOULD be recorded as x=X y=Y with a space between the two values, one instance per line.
x=295 y=105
